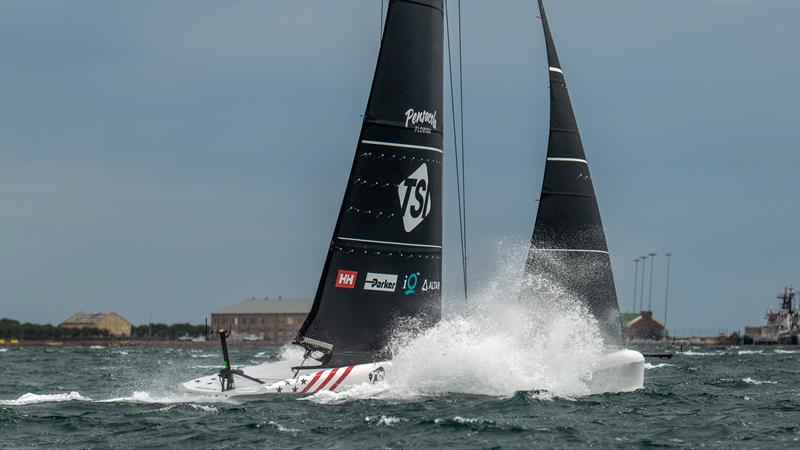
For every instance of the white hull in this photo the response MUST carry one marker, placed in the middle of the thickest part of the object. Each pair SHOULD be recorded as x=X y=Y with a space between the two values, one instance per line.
x=620 y=371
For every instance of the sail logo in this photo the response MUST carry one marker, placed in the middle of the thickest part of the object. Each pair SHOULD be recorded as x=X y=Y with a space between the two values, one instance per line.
x=415 y=198
x=346 y=279
x=410 y=283
x=380 y=282
x=421 y=118
x=430 y=285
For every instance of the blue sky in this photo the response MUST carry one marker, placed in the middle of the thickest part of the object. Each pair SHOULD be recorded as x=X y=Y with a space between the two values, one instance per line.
x=167 y=159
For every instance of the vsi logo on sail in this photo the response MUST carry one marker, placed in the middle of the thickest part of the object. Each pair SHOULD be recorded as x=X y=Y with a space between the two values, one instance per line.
x=346 y=279
x=380 y=282
x=421 y=118
x=415 y=198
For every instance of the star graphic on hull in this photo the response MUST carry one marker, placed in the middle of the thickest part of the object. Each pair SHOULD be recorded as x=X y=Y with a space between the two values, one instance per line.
x=294 y=388
x=303 y=380
x=279 y=389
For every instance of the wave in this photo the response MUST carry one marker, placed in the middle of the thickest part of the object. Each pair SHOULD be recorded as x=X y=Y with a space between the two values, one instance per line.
x=143 y=397
x=750 y=352
x=383 y=420
x=749 y=380
x=32 y=399
x=3 y=350
x=786 y=352
x=693 y=353
x=657 y=366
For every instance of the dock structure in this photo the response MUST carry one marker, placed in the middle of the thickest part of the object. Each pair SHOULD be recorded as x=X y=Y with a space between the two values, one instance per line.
x=782 y=324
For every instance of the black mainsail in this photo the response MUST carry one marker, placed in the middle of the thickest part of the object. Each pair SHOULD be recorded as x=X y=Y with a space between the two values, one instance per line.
x=568 y=244
x=384 y=261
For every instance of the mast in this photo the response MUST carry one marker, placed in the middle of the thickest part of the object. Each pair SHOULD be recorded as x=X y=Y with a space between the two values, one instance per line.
x=568 y=246
x=383 y=265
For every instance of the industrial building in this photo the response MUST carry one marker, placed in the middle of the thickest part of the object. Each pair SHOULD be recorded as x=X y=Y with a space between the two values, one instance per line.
x=273 y=320
x=111 y=322
x=643 y=326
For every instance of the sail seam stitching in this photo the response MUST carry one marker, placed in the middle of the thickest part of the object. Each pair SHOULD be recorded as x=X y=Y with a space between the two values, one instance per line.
x=389 y=242
x=395 y=144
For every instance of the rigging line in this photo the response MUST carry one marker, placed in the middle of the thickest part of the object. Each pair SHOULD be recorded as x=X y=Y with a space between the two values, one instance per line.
x=380 y=24
x=455 y=145
x=463 y=153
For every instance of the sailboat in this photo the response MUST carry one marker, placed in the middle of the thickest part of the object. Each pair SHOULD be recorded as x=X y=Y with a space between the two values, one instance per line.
x=568 y=248
x=383 y=268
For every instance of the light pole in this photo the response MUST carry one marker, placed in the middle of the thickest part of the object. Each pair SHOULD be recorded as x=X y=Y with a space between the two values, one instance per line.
x=635 y=284
x=666 y=294
x=650 y=296
x=641 y=290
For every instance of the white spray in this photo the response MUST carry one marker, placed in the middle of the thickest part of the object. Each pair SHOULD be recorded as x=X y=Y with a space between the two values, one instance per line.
x=496 y=346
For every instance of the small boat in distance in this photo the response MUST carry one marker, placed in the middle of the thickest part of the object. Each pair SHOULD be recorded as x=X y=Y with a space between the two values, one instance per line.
x=384 y=262
x=568 y=248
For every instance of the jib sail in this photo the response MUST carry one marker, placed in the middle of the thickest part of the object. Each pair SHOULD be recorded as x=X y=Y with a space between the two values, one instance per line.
x=568 y=244
x=383 y=267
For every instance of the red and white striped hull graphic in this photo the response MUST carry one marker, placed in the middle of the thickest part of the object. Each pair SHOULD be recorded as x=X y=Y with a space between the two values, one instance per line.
x=324 y=379
x=306 y=384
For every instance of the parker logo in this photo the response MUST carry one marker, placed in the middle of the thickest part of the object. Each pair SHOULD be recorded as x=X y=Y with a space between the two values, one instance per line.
x=346 y=279
x=415 y=198
x=421 y=118
x=380 y=282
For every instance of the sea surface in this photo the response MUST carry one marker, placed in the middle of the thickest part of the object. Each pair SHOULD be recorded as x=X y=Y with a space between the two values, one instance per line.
x=737 y=397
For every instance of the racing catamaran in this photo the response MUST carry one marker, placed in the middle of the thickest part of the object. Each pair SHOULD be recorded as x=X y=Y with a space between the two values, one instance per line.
x=384 y=263
x=568 y=247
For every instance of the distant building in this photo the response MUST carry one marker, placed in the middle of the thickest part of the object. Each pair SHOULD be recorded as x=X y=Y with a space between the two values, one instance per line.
x=274 y=320
x=111 y=322
x=643 y=326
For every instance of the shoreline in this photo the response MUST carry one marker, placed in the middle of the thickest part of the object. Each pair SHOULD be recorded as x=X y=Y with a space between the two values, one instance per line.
x=140 y=343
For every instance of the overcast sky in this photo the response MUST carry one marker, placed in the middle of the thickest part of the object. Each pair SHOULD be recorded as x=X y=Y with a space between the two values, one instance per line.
x=167 y=159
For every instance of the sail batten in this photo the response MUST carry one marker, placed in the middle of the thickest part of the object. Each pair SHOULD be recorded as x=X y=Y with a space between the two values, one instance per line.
x=383 y=266
x=568 y=246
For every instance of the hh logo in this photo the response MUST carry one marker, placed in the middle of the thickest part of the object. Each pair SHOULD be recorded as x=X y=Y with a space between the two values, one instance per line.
x=415 y=198
x=346 y=279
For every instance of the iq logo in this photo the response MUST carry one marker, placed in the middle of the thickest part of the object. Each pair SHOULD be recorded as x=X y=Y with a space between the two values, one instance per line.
x=410 y=283
x=346 y=279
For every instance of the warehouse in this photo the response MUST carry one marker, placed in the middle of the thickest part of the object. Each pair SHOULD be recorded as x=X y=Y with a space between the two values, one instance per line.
x=273 y=320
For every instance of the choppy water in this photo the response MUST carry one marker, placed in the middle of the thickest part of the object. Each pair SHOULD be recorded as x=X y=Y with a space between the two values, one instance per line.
x=98 y=397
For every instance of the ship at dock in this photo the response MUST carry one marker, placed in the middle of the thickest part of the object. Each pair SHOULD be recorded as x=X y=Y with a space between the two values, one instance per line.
x=782 y=324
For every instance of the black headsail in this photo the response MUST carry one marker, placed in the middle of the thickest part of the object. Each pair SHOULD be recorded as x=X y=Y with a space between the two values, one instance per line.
x=384 y=262
x=568 y=244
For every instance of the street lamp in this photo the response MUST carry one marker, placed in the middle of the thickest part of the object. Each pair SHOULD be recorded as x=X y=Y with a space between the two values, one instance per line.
x=650 y=296
x=666 y=294
x=641 y=290
x=635 y=284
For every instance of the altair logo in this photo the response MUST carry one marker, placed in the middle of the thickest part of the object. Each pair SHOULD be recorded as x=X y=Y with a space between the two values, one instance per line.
x=430 y=285
x=415 y=198
x=410 y=283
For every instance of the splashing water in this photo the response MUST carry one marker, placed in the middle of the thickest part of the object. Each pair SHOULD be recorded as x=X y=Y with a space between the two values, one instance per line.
x=496 y=347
